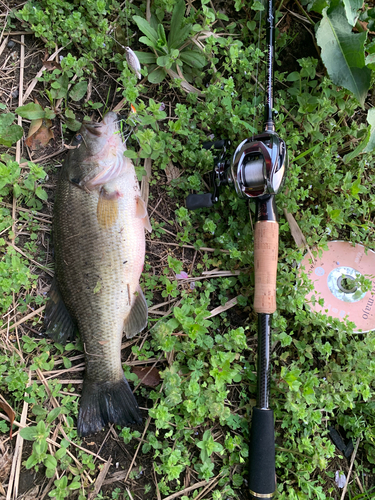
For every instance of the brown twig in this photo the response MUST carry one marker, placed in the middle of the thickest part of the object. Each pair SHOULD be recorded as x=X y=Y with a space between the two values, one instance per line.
x=99 y=480
x=137 y=450
x=189 y=488
x=17 y=457
x=24 y=319
x=350 y=469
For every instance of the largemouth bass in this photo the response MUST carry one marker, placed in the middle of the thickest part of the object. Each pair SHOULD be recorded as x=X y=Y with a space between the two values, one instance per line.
x=99 y=239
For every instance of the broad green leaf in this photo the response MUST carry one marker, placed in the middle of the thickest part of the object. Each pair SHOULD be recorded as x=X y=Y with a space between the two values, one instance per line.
x=163 y=61
x=6 y=119
x=161 y=35
x=49 y=114
x=146 y=29
x=10 y=135
x=49 y=472
x=148 y=42
x=370 y=146
x=31 y=111
x=41 y=194
x=370 y=61
x=31 y=461
x=180 y=37
x=351 y=8
x=343 y=52
x=75 y=485
x=60 y=453
x=193 y=58
x=78 y=91
x=368 y=143
x=131 y=154
x=53 y=414
x=38 y=410
x=293 y=77
x=70 y=114
x=50 y=462
x=73 y=125
x=145 y=57
x=29 y=433
x=157 y=75
x=318 y=5
x=176 y=21
x=358 y=150
x=257 y=5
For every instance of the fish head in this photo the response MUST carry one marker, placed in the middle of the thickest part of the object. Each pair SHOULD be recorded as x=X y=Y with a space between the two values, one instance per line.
x=98 y=153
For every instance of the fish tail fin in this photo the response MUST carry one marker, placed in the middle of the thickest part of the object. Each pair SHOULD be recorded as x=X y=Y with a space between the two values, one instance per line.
x=106 y=402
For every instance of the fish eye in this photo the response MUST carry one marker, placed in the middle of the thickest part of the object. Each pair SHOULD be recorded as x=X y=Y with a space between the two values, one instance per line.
x=78 y=137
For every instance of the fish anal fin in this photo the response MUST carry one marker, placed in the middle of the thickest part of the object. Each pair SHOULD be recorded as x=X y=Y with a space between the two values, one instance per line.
x=57 y=320
x=141 y=213
x=107 y=210
x=109 y=402
x=141 y=209
x=147 y=224
x=136 y=320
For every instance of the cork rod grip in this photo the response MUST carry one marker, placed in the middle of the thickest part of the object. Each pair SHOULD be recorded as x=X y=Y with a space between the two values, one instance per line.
x=266 y=247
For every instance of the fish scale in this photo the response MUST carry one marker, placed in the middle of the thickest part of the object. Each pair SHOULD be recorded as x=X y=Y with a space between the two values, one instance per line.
x=91 y=257
x=99 y=237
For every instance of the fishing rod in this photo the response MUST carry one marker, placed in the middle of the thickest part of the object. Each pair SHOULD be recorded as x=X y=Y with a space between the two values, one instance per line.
x=257 y=170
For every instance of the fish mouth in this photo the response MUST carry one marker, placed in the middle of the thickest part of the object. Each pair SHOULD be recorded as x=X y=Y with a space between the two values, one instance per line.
x=108 y=125
x=93 y=128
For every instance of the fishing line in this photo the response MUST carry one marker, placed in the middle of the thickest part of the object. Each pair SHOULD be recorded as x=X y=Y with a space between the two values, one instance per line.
x=126 y=24
x=256 y=75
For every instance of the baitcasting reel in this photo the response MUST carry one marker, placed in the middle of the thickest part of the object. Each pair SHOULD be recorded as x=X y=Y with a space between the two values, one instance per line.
x=258 y=168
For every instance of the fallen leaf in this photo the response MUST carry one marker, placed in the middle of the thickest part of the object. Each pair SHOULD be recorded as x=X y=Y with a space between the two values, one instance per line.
x=51 y=65
x=184 y=84
x=10 y=413
x=6 y=459
x=34 y=127
x=172 y=172
x=31 y=494
x=42 y=135
x=147 y=376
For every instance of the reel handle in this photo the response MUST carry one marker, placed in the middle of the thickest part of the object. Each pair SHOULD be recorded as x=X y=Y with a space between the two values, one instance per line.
x=262 y=478
x=214 y=144
x=195 y=201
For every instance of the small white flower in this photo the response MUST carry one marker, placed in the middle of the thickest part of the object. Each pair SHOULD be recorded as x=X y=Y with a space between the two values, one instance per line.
x=133 y=62
x=340 y=479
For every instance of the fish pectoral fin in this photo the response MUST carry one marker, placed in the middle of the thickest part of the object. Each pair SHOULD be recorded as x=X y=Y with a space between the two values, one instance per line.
x=141 y=213
x=107 y=210
x=136 y=320
x=57 y=320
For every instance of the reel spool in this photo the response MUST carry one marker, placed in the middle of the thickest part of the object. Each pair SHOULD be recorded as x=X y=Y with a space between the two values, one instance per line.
x=259 y=165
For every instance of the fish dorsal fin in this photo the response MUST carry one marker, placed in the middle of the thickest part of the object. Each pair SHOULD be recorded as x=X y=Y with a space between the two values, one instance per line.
x=141 y=213
x=57 y=320
x=136 y=321
x=107 y=209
